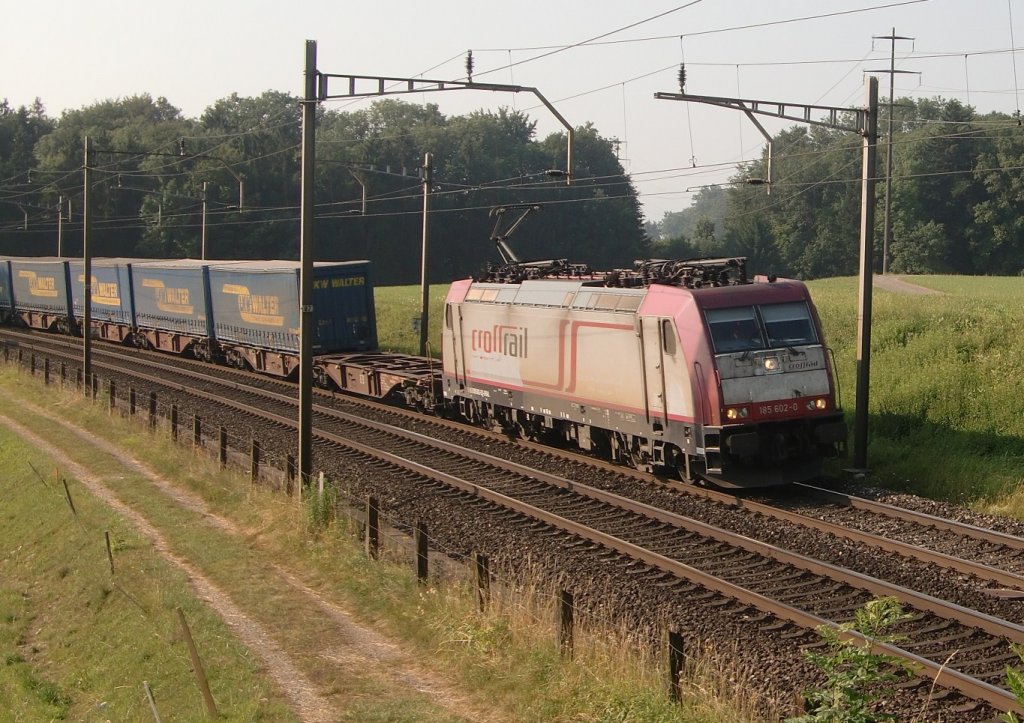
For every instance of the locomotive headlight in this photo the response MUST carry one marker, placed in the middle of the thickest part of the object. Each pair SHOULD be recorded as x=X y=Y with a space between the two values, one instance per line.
x=771 y=364
x=821 y=403
x=736 y=413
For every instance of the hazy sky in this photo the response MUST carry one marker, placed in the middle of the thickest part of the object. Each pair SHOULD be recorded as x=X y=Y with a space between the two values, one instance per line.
x=71 y=53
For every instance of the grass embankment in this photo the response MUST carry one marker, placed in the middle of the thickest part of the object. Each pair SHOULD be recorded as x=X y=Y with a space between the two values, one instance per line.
x=77 y=642
x=947 y=380
x=75 y=646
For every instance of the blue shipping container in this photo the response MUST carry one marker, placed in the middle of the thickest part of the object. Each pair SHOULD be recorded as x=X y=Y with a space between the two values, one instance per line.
x=111 y=290
x=256 y=303
x=172 y=296
x=41 y=284
x=5 y=289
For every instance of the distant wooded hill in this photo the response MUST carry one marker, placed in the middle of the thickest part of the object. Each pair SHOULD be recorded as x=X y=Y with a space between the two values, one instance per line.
x=957 y=189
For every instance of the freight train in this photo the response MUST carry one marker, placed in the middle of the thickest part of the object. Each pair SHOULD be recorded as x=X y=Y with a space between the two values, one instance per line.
x=241 y=313
x=687 y=366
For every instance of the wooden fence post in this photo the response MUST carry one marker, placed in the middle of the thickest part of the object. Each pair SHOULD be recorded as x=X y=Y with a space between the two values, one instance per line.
x=223 y=446
x=131 y=401
x=95 y=386
x=422 y=547
x=372 y=527
x=289 y=474
x=197 y=666
x=197 y=431
x=152 y=410
x=675 y=664
x=32 y=365
x=174 y=422
x=46 y=371
x=482 y=570
x=112 y=390
x=565 y=622
x=110 y=552
x=254 y=470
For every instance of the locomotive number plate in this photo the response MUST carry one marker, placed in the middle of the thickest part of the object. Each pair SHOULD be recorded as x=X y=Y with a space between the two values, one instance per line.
x=782 y=408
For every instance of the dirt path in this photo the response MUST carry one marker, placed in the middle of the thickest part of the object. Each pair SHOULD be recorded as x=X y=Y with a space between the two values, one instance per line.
x=366 y=649
x=899 y=286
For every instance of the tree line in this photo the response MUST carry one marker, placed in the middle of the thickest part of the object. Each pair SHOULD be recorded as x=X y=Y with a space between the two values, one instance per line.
x=956 y=190
x=153 y=168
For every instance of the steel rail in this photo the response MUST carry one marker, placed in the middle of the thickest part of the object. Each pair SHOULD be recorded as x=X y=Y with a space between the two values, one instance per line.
x=923 y=518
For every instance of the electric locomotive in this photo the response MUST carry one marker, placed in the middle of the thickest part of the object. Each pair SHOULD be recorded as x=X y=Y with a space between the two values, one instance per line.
x=685 y=365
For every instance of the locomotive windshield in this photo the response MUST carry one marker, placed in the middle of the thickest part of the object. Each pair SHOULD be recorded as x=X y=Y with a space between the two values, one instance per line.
x=765 y=326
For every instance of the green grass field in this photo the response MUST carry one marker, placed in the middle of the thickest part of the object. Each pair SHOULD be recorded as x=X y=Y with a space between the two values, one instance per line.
x=77 y=642
x=947 y=379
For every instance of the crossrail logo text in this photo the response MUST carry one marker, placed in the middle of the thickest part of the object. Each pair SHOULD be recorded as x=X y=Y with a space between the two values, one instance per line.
x=500 y=339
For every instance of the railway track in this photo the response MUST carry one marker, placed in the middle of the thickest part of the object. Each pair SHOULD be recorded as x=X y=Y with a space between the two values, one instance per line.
x=960 y=648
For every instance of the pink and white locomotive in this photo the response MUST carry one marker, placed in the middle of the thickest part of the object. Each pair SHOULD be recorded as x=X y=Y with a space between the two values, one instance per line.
x=684 y=365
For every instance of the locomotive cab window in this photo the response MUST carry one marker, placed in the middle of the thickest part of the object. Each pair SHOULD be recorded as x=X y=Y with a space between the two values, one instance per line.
x=788 y=324
x=735 y=329
x=768 y=326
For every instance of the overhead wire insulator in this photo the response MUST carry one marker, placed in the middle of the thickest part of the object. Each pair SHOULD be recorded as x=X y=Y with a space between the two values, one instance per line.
x=181 y=146
x=682 y=77
x=469 y=65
